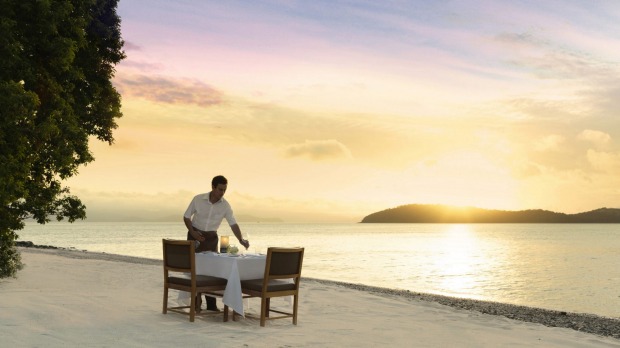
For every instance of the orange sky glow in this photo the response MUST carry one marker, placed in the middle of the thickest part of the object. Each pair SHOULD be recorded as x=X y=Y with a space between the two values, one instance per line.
x=326 y=111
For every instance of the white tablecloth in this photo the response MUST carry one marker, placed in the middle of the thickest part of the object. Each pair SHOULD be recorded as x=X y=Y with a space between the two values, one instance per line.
x=234 y=269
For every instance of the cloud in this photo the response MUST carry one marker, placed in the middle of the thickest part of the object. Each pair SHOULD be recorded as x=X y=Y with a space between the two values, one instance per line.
x=540 y=109
x=168 y=90
x=319 y=150
x=140 y=65
x=526 y=169
x=134 y=206
x=604 y=161
x=130 y=46
x=560 y=54
x=533 y=53
x=596 y=137
x=516 y=38
x=549 y=143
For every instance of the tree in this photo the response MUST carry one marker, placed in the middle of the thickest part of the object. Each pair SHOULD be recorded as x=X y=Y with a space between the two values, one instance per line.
x=57 y=60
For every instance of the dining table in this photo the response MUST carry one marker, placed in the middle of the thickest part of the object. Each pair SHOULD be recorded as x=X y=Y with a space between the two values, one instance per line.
x=233 y=268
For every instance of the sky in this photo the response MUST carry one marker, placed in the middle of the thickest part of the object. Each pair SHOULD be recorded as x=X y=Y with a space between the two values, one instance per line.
x=327 y=111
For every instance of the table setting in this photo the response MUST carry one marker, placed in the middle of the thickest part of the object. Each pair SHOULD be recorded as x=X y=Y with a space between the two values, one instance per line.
x=230 y=264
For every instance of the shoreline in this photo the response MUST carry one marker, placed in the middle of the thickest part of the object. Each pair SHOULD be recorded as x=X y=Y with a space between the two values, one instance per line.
x=582 y=322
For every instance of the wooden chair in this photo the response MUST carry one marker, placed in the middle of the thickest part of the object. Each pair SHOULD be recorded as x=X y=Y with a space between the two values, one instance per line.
x=282 y=276
x=180 y=257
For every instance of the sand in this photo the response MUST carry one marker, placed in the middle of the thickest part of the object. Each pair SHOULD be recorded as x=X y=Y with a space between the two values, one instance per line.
x=69 y=298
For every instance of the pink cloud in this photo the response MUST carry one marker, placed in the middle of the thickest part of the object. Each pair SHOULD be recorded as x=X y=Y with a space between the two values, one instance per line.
x=168 y=90
x=130 y=46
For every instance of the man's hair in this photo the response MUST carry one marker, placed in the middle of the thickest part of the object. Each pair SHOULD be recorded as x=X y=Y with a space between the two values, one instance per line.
x=220 y=179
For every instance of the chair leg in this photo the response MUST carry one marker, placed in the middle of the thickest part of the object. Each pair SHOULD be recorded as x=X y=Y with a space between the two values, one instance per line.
x=165 y=308
x=263 y=310
x=295 y=302
x=198 y=305
x=226 y=313
x=268 y=307
x=192 y=308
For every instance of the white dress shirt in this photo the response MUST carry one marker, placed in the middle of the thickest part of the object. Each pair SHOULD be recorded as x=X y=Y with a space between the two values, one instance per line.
x=207 y=216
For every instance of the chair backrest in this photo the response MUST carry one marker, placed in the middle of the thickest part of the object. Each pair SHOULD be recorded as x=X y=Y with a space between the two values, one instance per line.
x=179 y=255
x=283 y=263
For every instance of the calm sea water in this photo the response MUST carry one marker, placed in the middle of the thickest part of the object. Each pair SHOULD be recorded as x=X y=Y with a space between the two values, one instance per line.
x=569 y=267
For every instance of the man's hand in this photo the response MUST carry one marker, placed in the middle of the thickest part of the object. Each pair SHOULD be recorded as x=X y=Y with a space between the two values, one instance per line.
x=245 y=243
x=198 y=236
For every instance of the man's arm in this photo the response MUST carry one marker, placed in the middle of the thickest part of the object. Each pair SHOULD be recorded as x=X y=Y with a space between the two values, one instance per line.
x=237 y=231
x=192 y=231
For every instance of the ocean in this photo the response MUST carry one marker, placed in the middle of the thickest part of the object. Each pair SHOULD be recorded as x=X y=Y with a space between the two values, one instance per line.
x=566 y=267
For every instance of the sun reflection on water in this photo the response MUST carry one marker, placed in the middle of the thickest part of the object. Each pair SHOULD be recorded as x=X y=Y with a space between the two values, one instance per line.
x=459 y=260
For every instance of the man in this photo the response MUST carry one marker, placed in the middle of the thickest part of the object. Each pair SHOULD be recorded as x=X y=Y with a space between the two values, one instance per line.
x=204 y=216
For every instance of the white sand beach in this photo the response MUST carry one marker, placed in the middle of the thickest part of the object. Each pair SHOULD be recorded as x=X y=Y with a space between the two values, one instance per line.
x=65 y=298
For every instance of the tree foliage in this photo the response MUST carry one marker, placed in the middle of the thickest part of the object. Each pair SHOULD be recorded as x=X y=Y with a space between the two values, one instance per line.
x=57 y=60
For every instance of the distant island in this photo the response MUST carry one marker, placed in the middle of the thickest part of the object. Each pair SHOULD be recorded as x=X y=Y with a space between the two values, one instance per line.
x=430 y=213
